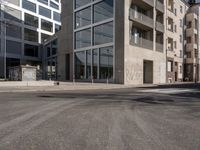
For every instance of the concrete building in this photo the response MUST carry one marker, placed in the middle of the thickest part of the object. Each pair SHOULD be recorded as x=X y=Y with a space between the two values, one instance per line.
x=120 y=41
x=192 y=53
x=176 y=12
x=25 y=24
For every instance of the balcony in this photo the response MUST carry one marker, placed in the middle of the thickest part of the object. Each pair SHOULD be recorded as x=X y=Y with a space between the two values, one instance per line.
x=141 y=42
x=149 y=2
x=191 y=46
x=191 y=31
x=141 y=18
x=159 y=26
x=159 y=47
x=191 y=16
x=160 y=6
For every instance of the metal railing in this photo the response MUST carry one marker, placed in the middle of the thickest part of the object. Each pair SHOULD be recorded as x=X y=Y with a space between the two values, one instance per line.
x=141 y=42
x=160 y=6
x=159 y=26
x=137 y=16
x=150 y=2
x=159 y=47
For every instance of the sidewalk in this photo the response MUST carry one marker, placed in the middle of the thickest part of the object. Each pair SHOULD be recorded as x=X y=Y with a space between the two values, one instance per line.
x=45 y=86
x=62 y=87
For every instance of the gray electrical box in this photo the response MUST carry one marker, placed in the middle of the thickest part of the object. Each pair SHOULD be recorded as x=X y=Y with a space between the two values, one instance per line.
x=23 y=73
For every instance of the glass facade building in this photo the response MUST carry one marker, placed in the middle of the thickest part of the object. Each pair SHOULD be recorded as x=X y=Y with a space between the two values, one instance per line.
x=28 y=24
x=93 y=39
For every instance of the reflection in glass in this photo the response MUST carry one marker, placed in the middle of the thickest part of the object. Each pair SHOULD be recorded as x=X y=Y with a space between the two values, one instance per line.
x=106 y=63
x=80 y=65
x=83 y=17
x=95 y=63
x=88 y=64
x=103 y=10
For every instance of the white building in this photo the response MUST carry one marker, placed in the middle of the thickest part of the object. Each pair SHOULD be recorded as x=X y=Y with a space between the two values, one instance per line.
x=25 y=24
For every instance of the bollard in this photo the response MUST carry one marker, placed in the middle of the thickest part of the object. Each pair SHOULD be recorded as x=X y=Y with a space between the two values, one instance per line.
x=92 y=80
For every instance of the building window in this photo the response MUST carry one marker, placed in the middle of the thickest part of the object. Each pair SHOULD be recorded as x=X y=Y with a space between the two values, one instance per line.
x=13 y=31
x=181 y=9
x=54 y=5
x=95 y=61
x=83 y=17
x=83 y=38
x=103 y=34
x=54 y=46
x=106 y=63
x=46 y=25
x=29 y=6
x=79 y=3
x=30 y=35
x=43 y=1
x=44 y=37
x=103 y=10
x=13 y=47
x=44 y=12
x=30 y=20
x=80 y=65
x=56 y=16
x=181 y=23
x=170 y=66
x=30 y=50
x=88 y=64
x=57 y=28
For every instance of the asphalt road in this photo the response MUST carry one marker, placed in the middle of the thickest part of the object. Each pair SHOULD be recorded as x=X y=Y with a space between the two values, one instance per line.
x=123 y=119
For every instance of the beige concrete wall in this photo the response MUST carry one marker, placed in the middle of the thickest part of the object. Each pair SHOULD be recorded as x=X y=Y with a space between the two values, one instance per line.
x=175 y=55
x=134 y=57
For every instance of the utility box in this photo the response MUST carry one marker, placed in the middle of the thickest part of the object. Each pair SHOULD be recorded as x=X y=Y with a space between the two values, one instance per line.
x=23 y=73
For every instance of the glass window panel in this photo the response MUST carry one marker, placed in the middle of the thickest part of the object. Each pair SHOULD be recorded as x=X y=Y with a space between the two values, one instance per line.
x=31 y=20
x=13 y=31
x=29 y=6
x=57 y=28
x=30 y=50
x=95 y=63
x=88 y=64
x=79 y=3
x=54 y=46
x=30 y=35
x=83 y=38
x=106 y=63
x=46 y=25
x=44 y=12
x=13 y=47
x=43 y=1
x=80 y=65
x=44 y=37
x=103 y=10
x=83 y=17
x=56 y=16
x=54 y=5
x=103 y=34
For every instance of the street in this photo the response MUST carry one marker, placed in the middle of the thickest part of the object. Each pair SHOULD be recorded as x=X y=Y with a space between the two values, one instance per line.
x=159 y=118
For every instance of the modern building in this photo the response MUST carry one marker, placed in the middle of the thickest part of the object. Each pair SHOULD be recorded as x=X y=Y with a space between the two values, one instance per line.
x=120 y=41
x=25 y=24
